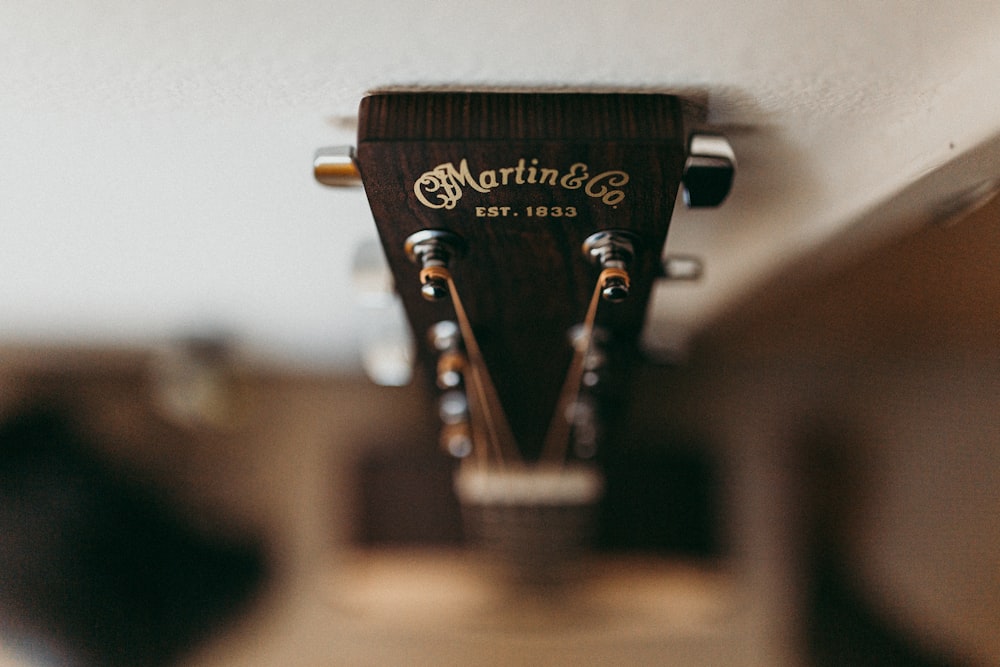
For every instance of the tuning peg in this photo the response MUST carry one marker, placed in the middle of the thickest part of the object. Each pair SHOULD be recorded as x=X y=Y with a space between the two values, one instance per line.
x=456 y=440
x=445 y=336
x=682 y=267
x=433 y=249
x=708 y=171
x=335 y=166
x=611 y=249
x=446 y=339
x=453 y=407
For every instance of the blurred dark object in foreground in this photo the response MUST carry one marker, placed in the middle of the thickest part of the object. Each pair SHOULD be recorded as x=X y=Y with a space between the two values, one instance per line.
x=844 y=631
x=94 y=570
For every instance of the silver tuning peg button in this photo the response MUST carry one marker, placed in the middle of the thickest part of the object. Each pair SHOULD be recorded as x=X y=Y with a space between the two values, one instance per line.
x=708 y=171
x=682 y=267
x=334 y=166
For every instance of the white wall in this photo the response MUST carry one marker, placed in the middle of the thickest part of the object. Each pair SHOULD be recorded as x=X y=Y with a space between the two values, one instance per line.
x=154 y=158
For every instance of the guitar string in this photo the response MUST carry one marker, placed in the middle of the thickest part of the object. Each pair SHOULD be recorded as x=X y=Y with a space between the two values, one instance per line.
x=500 y=438
x=483 y=398
x=556 y=443
x=477 y=423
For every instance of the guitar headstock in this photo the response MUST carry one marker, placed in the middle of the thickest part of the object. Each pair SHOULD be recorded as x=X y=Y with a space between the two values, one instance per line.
x=521 y=217
x=525 y=200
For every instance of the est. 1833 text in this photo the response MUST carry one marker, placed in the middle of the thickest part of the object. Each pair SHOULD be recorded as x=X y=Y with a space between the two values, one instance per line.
x=529 y=211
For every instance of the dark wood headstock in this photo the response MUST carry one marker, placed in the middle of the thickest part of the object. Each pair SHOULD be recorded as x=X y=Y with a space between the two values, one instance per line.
x=523 y=180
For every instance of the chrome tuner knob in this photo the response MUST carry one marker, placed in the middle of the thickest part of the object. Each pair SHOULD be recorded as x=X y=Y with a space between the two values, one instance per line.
x=708 y=171
x=334 y=166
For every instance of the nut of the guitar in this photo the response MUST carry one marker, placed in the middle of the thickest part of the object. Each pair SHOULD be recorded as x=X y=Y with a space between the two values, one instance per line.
x=535 y=522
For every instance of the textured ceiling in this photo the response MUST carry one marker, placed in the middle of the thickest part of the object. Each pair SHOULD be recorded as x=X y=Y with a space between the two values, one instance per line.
x=155 y=157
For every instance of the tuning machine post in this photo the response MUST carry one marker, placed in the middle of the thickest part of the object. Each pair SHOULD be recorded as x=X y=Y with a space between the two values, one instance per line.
x=612 y=251
x=453 y=404
x=583 y=413
x=432 y=250
x=446 y=339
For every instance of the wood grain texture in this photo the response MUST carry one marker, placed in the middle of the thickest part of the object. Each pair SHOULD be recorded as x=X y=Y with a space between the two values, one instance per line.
x=524 y=279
